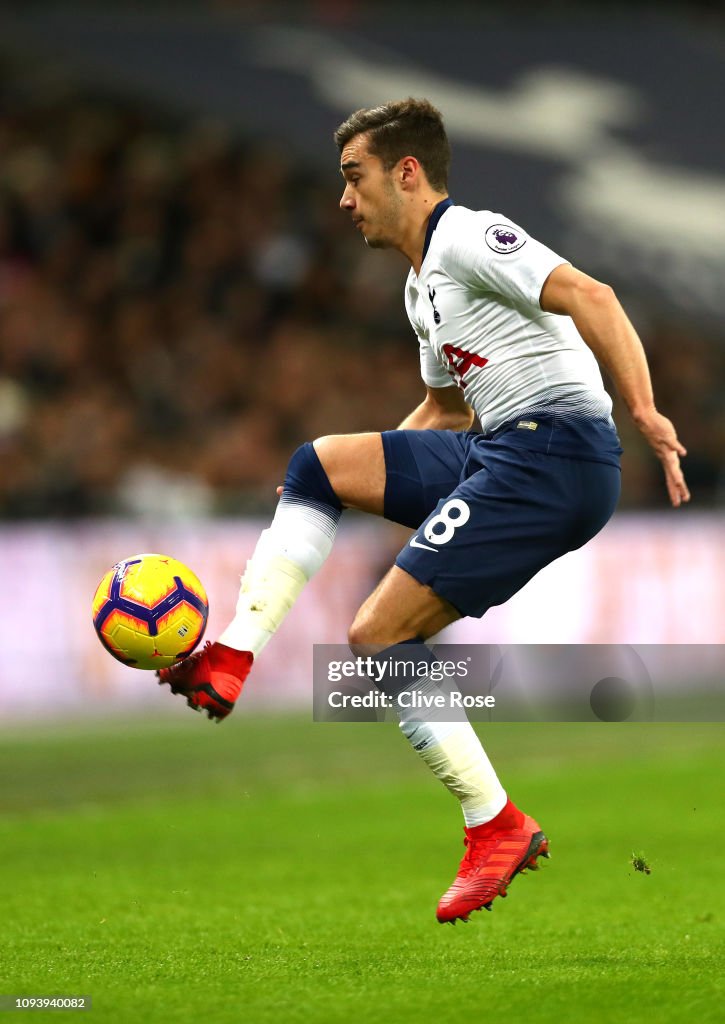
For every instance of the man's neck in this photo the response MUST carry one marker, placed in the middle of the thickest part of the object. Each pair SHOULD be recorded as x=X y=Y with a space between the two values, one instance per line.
x=413 y=246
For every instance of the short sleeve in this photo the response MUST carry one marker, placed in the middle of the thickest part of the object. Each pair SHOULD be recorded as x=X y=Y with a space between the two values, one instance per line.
x=433 y=373
x=492 y=254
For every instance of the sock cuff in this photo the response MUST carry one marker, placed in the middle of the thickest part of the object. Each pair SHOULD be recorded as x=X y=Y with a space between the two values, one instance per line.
x=508 y=816
x=306 y=478
x=393 y=682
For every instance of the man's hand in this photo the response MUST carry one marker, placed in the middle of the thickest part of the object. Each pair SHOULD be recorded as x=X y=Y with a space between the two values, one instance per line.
x=661 y=436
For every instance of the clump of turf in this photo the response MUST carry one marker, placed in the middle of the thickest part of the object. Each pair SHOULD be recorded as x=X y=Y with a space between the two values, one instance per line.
x=640 y=863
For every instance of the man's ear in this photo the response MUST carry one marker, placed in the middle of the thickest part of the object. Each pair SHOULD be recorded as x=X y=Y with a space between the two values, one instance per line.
x=408 y=171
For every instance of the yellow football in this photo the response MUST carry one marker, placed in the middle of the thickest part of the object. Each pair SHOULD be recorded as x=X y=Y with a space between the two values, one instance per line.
x=150 y=611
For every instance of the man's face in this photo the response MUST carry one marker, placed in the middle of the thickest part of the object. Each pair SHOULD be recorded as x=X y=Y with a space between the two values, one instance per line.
x=370 y=197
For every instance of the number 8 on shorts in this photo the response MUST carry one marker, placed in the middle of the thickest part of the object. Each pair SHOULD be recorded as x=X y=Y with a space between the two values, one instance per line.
x=454 y=513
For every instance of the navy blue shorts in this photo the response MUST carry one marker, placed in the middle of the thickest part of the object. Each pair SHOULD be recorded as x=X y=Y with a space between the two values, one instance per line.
x=490 y=512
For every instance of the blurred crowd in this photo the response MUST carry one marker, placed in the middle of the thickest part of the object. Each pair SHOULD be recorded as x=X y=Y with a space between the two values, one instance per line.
x=179 y=309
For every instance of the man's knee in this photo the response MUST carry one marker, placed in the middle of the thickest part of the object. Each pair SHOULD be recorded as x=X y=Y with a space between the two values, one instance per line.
x=358 y=634
x=370 y=633
x=399 y=609
x=326 y=446
x=355 y=467
x=306 y=477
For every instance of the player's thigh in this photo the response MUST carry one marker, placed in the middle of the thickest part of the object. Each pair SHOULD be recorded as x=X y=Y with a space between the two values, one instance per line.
x=399 y=609
x=355 y=467
x=399 y=474
x=422 y=467
x=503 y=524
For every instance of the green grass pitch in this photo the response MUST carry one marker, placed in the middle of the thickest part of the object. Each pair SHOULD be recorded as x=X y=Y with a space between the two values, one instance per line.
x=276 y=870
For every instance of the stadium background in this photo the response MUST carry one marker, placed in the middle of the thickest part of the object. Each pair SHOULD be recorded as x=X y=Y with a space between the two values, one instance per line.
x=181 y=304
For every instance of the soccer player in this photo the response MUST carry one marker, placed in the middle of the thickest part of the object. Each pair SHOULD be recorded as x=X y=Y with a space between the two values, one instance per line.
x=508 y=332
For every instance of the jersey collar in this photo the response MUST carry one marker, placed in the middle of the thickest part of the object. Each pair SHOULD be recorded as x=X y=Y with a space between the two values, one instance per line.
x=438 y=210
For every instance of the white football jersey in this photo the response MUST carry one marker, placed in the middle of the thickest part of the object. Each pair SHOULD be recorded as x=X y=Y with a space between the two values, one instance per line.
x=475 y=309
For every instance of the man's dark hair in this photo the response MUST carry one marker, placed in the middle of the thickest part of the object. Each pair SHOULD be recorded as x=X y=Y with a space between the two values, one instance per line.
x=403 y=128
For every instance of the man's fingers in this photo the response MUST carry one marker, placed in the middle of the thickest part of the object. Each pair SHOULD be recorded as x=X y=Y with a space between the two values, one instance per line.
x=676 y=486
x=668 y=444
x=674 y=492
x=683 y=489
x=678 y=495
x=660 y=433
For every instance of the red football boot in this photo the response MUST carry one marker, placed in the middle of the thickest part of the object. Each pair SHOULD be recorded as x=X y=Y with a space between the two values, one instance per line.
x=495 y=852
x=211 y=680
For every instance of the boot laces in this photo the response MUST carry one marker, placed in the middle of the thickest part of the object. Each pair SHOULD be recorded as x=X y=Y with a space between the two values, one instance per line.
x=477 y=850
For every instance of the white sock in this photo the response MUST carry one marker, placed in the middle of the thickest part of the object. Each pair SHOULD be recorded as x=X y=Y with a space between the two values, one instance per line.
x=454 y=754
x=286 y=557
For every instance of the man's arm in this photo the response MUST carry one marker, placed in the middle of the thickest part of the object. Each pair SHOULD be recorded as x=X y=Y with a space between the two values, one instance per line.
x=441 y=409
x=605 y=328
